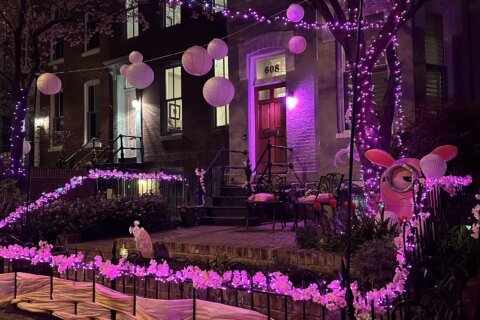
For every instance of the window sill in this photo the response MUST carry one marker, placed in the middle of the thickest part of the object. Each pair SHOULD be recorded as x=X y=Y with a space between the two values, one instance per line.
x=90 y=52
x=343 y=135
x=56 y=62
x=172 y=137
x=55 y=149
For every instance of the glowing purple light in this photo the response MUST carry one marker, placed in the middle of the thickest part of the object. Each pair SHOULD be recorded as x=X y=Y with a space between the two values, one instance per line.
x=292 y=102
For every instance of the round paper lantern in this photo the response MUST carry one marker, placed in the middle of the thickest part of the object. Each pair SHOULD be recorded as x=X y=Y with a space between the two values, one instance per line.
x=139 y=75
x=217 y=49
x=48 y=83
x=26 y=147
x=433 y=166
x=135 y=57
x=297 y=44
x=218 y=91
x=196 y=61
x=123 y=69
x=295 y=12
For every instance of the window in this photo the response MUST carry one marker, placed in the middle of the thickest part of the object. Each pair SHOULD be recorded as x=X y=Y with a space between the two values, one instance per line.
x=436 y=80
x=6 y=123
x=131 y=23
x=173 y=99
x=57 y=120
x=92 y=37
x=57 y=52
x=173 y=15
x=222 y=114
x=92 y=108
x=219 y=5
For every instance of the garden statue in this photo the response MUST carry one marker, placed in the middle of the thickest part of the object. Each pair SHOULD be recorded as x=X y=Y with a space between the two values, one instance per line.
x=397 y=180
x=142 y=239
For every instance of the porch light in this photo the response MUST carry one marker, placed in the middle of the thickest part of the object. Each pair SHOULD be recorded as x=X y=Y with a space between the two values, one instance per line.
x=135 y=103
x=292 y=102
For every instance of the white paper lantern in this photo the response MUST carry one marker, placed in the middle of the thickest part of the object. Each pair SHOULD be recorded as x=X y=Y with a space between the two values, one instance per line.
x=217 y=49
x=218 y=91
x=135 y=57
x=123 y=69
x=196 y=61
x=433 y=166
x=295 y=12
x=139 y=75
x=48 y=83
x=297 y=44
x=26 y=147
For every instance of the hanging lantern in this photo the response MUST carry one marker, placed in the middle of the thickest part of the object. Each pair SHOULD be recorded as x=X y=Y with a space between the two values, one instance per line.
x=135 y=57
x=433 y=166
x=196 y=61
x=123 y=69
x=139 y=75
x=297 y=44
x=217 y=49
x=26 y=147
x=49 y=84
x=295 y=12
x=218 y=91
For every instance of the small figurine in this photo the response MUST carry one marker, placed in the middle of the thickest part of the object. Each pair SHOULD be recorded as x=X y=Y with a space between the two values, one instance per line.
x=142 y=239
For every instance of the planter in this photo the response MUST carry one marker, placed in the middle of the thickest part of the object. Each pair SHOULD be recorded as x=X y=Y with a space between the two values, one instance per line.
x=190 y=215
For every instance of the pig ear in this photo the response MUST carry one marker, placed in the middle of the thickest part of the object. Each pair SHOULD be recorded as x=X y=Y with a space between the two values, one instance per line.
x=379 y=157
x=447 y=152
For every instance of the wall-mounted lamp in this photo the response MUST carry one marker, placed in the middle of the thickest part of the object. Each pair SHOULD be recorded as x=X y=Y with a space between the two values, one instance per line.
x=40 y=122
x=136 y=103
x=292 y=102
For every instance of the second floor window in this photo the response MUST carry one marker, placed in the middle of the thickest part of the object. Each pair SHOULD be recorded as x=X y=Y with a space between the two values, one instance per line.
x=92 y=37
x=131 y=23
x=436 y=72
x=222 y=116
x=172 y=16
x=57 y=120
x=173 y=99
x=219 y=5
x=57 y=52
x=92 y=110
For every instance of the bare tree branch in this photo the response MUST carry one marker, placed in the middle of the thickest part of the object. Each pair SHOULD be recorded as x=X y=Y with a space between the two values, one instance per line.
x=337 y=8
x=8 y=22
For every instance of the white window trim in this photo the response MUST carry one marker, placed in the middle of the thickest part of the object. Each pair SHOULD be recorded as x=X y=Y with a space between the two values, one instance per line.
x=92 y=51
x=85 y=108
x=134 y=18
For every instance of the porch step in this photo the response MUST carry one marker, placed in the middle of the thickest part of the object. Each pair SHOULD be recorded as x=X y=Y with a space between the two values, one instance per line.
x=237 y=201
x=232 y=191
x=226 y=211
x=228 y=221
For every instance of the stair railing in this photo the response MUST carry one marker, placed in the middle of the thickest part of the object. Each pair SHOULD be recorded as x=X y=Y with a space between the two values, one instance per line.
x=221 y=157
x=267 y=171
x=97 y=152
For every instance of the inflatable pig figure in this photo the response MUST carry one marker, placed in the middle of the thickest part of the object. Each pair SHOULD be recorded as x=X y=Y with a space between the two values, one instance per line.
x=397 y=181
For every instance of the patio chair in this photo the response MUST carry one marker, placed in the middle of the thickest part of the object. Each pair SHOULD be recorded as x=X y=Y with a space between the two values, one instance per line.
x=327 y=193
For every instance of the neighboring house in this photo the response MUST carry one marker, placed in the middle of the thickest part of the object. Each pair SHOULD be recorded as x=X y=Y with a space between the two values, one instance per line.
x=434 y=55
x=178 y=128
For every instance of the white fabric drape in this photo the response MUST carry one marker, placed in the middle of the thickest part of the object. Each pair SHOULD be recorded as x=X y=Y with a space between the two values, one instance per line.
x=33 y=294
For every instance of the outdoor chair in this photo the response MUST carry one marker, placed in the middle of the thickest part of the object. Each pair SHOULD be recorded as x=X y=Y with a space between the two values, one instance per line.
x=326 y=193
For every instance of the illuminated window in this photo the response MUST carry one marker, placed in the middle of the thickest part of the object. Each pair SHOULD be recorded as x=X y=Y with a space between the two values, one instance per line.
x=173 y=99
x=436 y=77
x=219 y=5
x=131 y=23
x=173 y=15
x=222 y=114
x=57 y=136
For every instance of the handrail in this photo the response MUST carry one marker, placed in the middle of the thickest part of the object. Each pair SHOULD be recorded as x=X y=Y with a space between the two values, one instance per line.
x=91 y=141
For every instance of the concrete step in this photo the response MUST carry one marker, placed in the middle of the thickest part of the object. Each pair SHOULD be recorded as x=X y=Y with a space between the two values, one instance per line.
x=232 y=191
x=226 y=211
x=228 y=221
x=237 y=201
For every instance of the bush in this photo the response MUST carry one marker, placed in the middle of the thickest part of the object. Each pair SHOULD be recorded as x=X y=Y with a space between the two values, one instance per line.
x=100 y=217
x=10 y=196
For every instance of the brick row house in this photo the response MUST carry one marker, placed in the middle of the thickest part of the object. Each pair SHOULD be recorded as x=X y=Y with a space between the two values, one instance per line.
x=179 y=130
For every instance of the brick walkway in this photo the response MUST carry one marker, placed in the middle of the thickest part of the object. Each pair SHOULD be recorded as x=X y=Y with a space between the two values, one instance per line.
x=258 y=245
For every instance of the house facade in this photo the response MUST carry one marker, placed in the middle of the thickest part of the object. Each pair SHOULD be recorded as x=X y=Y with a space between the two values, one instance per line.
x=299 y=101
x=167 y=126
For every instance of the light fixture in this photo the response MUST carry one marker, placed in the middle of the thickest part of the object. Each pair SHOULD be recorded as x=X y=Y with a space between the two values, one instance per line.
x=292 y=102
x=135 y=103
x=40 y=122
x=123 y=251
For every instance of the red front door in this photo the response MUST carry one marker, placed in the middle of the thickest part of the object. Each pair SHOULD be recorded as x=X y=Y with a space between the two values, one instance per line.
x=271 y=125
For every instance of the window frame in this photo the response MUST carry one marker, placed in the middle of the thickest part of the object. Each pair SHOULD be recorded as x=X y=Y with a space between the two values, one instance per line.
x=166 y=9
x=223 y=73
x=88 y=113
x=54 y=118
x=166 y=102
x=131 y=7
x=95 y=38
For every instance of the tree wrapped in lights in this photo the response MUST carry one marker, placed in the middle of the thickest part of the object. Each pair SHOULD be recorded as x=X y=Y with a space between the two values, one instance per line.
x=371 y=131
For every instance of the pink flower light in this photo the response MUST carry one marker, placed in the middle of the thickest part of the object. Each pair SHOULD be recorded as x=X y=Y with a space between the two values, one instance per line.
x=292 y=102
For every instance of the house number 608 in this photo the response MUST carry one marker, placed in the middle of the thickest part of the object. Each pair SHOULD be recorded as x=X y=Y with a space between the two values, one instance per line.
x=272 y=69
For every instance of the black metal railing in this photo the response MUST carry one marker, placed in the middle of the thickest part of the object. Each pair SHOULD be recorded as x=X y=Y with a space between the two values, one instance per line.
x=94 y=152
x=214 y=175
x=266 y=173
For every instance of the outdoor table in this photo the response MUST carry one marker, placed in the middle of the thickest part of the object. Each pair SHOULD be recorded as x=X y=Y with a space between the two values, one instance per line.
x=255 y=204
x=298 y=204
